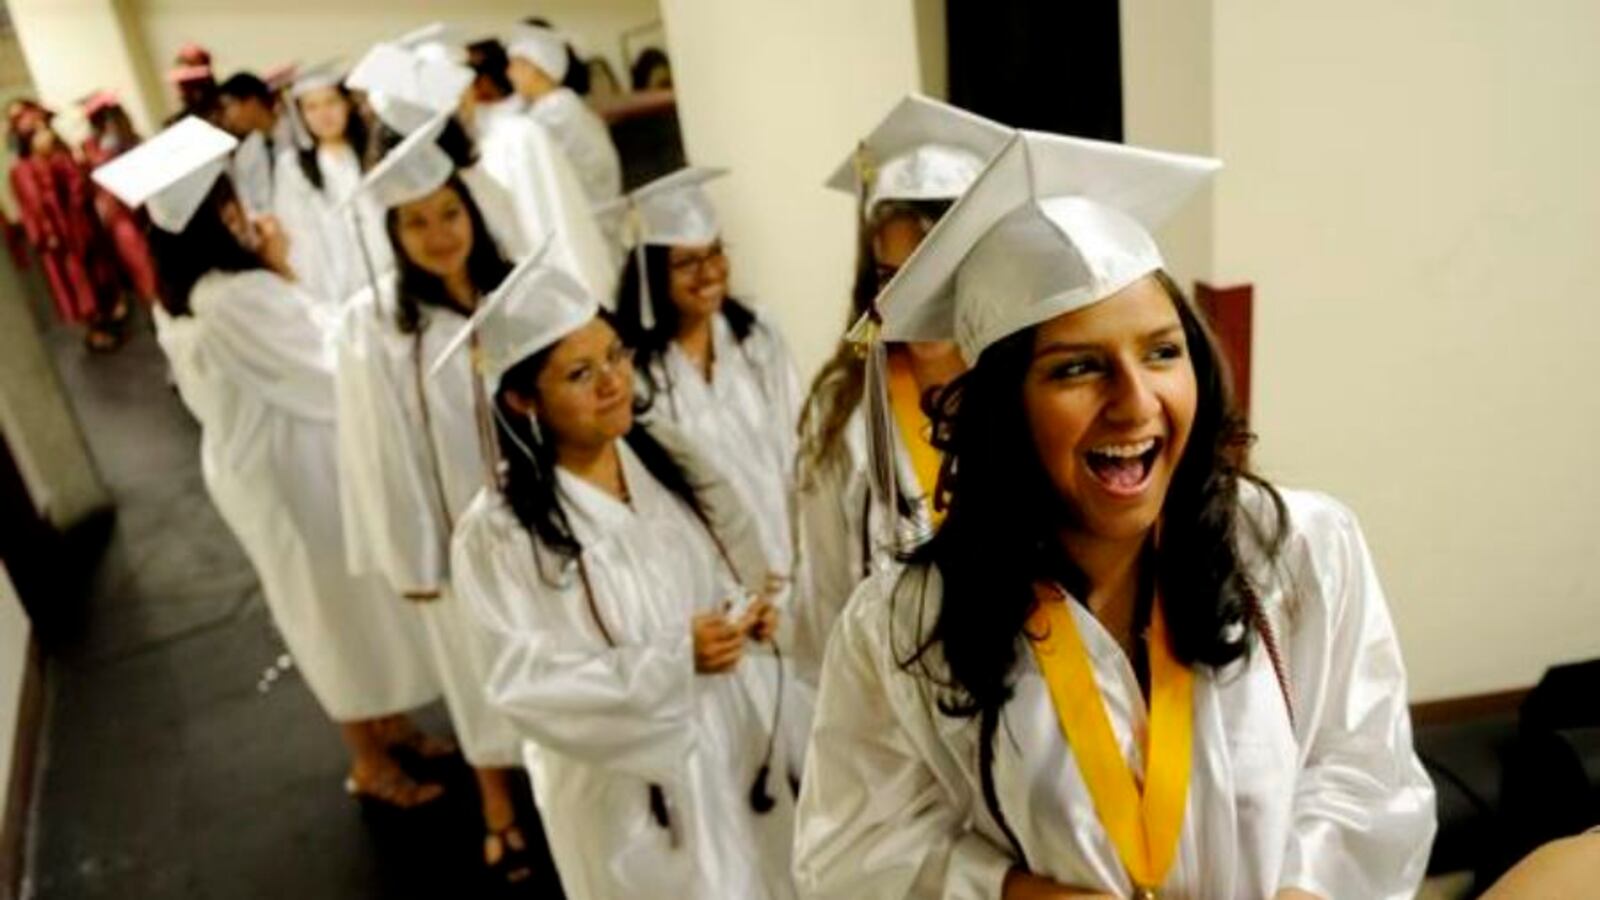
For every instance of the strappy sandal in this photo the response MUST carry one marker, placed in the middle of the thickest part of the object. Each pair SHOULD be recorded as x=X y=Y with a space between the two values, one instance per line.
x=394 y=790
x=399 y=733
x=514 y=864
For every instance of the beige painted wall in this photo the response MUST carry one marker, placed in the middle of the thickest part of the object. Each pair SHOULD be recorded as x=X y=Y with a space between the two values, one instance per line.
x=75 y=47
x=780 y=92
x=14 y=631
x=254 y=35
x=1412 y=187
x=1167 y=104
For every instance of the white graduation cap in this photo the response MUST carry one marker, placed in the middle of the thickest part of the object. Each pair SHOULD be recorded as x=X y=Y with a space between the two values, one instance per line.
x=542 y=46
x=534 y=306
x=170 y=174
x=1052 y=225
x=415 y=168
x=405 y=88
x=325 y=74
x=922 y=150
x=672 y=211
x=437 y=42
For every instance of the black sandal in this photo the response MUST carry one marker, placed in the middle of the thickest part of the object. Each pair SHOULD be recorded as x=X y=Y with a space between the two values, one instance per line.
x=515 y=865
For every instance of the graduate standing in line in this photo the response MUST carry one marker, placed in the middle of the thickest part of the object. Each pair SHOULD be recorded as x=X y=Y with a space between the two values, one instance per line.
x=707 y=362
x=1123 y=665
x=524 y=158
x=537 y=63
x=414 y=450
x=862 y=493
x=313 y=181
x=621 y=582
x=55 y=204
x=250 y=363
x=111 y=134
x=406 y=86
x=248 y=110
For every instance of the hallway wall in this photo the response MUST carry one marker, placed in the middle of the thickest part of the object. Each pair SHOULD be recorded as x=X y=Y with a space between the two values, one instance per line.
x=1412 y=189
x=780 y=92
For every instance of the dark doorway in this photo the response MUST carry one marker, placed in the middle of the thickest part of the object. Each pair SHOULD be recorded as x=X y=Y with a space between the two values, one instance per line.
x=1042 y=64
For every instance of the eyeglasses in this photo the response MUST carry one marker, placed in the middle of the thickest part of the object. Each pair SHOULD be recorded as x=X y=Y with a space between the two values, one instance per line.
x=587 y=374
x=695 y=265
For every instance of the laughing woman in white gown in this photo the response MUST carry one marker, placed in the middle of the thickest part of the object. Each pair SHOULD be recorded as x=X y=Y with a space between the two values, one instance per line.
x=1122 y=666
x=249 y=362
x=603 y=567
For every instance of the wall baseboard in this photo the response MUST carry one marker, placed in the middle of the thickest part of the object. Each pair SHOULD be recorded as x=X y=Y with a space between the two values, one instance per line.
x=1451 y=710
x=24 y=763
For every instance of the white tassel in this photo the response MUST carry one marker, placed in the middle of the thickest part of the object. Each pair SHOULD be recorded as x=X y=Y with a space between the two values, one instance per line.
x=647 y=306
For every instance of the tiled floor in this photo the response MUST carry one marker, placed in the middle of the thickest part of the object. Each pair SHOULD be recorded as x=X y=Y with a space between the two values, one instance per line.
x=166 y=772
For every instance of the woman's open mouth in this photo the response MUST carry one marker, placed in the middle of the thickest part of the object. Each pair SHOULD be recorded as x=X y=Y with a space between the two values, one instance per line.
x=1124 y=470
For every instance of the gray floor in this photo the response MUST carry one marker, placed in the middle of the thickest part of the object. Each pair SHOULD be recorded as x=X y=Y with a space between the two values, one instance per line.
x=166 y=771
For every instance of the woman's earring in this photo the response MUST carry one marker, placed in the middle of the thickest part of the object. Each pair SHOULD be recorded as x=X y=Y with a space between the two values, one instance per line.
x=533 y=427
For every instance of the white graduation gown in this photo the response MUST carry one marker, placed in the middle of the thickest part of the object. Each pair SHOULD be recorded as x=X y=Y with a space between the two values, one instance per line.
x=1338 y=805
x=605 y=722
x=585 y=139
x=841 y=538
x=324 y=249
x=548 y=198
x=251 y=365
x=744 y=419
x=412 y=459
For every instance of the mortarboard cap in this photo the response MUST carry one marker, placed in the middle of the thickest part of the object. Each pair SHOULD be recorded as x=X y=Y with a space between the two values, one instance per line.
x=1052 y=225
x=542 y=46
x=533 y=307
x=415 y=168
x=170 y=174
x=922 y=150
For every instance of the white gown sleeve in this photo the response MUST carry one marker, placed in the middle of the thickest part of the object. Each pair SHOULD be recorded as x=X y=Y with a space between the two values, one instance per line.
x=874 y=820
x=549 y=200
x=1363 y=815
x=261 y=331
x=499 y=213
x=630 y=707
x=292 y=204
x=829 y=529
x=391 y=519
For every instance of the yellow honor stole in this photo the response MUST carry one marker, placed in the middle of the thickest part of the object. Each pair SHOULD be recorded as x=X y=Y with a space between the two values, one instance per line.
x=915 y=430
x=1143 y=826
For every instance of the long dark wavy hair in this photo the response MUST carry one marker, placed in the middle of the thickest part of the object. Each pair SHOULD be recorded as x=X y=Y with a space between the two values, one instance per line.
x=355 y=134
x=529 y=484
x=204 y=246
x=416 y=288
x=997 y=540
x=650 y=345
x=837 y=388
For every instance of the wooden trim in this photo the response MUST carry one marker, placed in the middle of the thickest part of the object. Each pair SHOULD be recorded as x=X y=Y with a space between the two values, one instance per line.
x=1452 y=710
x=24 y=764
x=1230 y=311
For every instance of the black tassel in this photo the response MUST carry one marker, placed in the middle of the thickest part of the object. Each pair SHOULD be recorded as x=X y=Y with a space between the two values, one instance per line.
x=658 y=807
x=760 y=799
